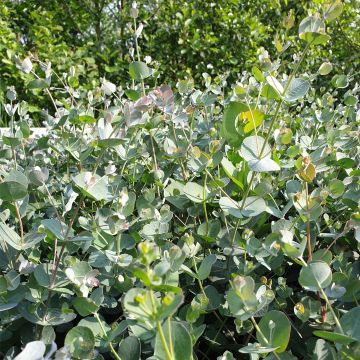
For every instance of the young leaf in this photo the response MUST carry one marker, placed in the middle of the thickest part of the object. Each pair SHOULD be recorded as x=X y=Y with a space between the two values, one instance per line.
x=206 y=265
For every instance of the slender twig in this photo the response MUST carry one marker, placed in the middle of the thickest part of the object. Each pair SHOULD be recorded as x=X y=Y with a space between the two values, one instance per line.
x=262 y=335
x=331 y=309
x=163 y=341
x=117 y=357
x=204 y=205
x=308 y=231
x=20 y=223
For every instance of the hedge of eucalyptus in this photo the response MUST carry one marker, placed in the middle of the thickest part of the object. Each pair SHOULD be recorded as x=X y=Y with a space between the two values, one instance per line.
x=184 y=222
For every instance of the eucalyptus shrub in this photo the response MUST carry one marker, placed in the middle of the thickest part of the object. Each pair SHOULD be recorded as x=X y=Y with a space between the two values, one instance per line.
x=182 y=224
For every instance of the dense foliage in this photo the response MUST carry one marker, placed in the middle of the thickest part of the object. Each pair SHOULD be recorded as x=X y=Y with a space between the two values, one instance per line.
x=183 y=222
x=183 y=38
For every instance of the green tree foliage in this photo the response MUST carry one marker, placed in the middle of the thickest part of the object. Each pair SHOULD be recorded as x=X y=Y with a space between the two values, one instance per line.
x=186 y=38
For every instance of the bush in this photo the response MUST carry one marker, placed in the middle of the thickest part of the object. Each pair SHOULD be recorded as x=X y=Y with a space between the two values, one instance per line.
x=184 y=223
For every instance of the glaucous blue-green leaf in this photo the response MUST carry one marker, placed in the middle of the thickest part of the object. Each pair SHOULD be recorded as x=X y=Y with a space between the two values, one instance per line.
x=92 y=185
x=85 y=306
x=9 y=236
x=275 y=84
x=206 y=265
x=323 y=351
x=289 y=246
x=132 y=300
x=322 y=254
x=78 y=271
x=178 y=338
x=257 y=154
x=350 y=323
x=38 y=176
x=48 y=335
x=251 y=148
x=80 y=341
x=312 y=30
x=253 y=206
x=244 y=286
x=170 y=302
x=33 y=350
x=138 y=70
x=196 y=192
x=263 y=165
x=276 y=328
x=43 y=276
x=12 y=298
x=317 y=274
x=14 y=187
x=44 y=316
x=54 y=227
x=130 y=348
x=297 y=89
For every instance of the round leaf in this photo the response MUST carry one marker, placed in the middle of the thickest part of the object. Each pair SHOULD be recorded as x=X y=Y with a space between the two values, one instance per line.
x=139 y=70
x=80 y=341
x=196 y=192
x=276 y=328
x=316 y=274
x=129 y=348
x=252 y=146
x=312 y=30
x=297 y=89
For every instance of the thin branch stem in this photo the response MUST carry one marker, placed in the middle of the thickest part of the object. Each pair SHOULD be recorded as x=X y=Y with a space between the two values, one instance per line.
x=20 y=223
x=163 y=341
x=331 y=310
x=308 y=230
x=117 y=357
x=262 y=335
